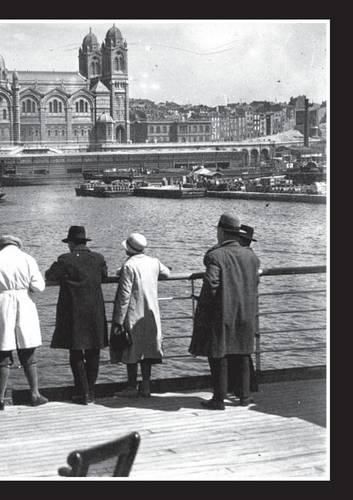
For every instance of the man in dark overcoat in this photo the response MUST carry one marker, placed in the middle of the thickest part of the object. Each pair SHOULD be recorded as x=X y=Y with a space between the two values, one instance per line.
x=81 y=324
x=225 y=317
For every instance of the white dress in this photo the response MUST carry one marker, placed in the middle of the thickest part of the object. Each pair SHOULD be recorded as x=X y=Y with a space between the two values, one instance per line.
x=136 y=306
x=19 y=278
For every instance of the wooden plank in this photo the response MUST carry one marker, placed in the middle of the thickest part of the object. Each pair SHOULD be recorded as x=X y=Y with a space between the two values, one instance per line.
x=177 y=439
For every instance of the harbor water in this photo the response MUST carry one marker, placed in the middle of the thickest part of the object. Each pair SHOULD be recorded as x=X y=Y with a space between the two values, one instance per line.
x=178 y=232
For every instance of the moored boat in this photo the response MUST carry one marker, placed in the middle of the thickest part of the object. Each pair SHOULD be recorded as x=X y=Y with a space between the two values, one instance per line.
x=170 y=192
x=99 y=189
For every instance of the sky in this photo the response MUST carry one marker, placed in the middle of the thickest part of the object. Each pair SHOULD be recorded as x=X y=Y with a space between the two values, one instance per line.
x=207 y=62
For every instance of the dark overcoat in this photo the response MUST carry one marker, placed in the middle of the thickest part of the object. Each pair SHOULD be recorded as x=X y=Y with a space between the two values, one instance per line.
x=80 y=312
x=225 y=317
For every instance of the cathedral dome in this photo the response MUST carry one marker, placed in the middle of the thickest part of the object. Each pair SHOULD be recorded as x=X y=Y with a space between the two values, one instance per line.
x=113 y=36
x=105 y=118
x=90 y=41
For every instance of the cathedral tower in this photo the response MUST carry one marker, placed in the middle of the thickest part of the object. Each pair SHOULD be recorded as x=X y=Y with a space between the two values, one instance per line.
x=115 y=78
x=90 y=58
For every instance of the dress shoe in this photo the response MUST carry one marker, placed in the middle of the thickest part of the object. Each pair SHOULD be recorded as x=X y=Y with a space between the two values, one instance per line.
x=39 y=400
x=128 y=392
x=144 y=389
x=246 y=401
x=80 y=399
x=213 y=404
x=2 y=405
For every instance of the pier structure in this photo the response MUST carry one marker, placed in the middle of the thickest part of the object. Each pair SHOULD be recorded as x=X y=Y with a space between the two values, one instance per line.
x=45 y=164
x=281 y=436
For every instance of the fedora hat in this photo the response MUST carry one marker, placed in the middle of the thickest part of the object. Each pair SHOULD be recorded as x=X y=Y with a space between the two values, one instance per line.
x=230 y=223
x=76 y=234
x=9 y=239
x=135 y=243
x=247 y=232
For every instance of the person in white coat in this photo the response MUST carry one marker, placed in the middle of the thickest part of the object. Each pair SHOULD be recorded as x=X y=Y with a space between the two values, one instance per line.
x=136 y=310
x=19 y=321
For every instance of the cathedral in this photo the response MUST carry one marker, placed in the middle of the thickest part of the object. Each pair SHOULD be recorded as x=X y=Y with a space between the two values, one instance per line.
x=76 y=110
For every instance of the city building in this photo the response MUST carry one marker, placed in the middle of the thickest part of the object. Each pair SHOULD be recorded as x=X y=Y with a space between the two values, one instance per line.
x=81 y=110
x=158 y=131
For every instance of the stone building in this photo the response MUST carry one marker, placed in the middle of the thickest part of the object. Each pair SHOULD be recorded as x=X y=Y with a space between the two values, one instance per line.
x=69 y=110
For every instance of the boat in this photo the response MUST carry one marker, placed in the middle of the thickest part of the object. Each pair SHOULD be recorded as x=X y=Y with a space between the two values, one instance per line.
x=171 y=191
x=109 y=175
x=99 y=189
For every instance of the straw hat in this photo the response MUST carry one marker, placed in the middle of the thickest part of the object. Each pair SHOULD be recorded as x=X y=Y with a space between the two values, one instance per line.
x=9 y=239
x=135 y=243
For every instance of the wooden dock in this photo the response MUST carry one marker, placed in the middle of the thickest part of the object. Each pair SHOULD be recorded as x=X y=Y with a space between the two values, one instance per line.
x=282 y=436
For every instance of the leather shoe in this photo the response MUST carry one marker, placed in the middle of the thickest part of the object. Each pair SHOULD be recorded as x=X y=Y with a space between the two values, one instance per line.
x=245 y=401
x=81 y=400
x=128 y=392
x=212 y=404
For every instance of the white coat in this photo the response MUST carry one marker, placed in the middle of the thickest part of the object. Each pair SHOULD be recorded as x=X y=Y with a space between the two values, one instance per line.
x=19 y=278
x=136 y=306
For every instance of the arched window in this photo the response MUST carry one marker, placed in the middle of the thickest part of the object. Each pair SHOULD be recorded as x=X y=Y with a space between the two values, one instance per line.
x=4 y=114
x=118 y=63
x=95 y=67
x=48 y=133
x=23 y=106
x=82 y=132
x=63 y=132
x=55 y=106
x=81 y=106
x=158 y=129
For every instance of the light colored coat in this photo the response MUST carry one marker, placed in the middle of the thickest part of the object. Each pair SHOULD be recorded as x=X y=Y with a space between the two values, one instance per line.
x=136 y=306
x=19 y=278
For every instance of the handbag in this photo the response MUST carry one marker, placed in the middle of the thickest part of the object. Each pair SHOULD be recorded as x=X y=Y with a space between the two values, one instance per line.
x=120 y=338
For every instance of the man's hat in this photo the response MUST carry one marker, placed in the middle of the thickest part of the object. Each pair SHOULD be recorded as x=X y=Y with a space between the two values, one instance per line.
x=9 y=239
x=247 y=232
x=135 y=243
x=76 y=234
x=230 y=223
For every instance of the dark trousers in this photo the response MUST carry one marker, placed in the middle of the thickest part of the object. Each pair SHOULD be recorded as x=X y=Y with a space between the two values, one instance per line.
x=231 y=373
x=84 y=366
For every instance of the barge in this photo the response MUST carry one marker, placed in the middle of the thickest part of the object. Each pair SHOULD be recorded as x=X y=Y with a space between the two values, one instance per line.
x=170 y=192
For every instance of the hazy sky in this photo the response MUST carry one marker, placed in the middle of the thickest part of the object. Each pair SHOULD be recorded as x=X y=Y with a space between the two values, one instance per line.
x=196 y=61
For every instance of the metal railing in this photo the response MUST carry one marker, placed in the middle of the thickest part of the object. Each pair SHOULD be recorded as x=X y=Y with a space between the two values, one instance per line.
x=263 y=312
